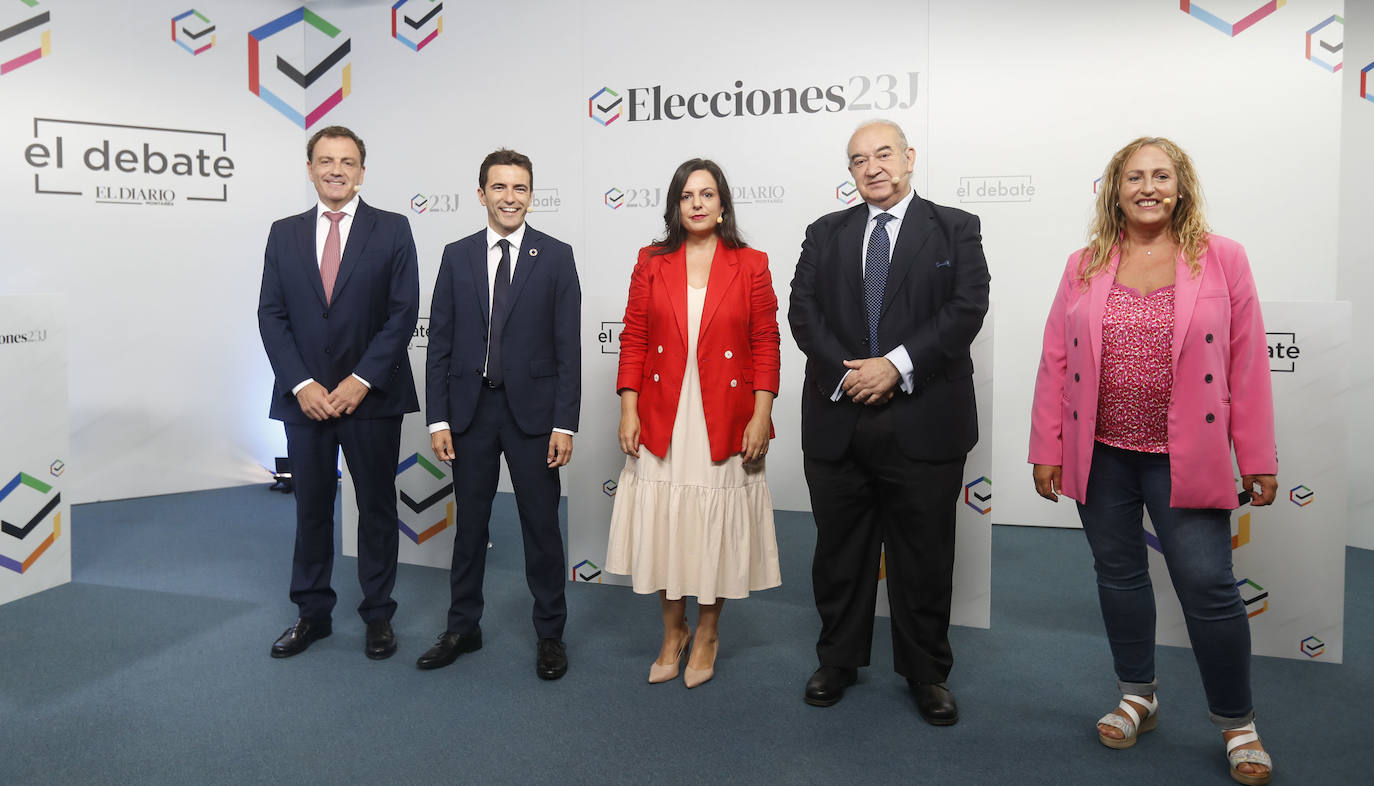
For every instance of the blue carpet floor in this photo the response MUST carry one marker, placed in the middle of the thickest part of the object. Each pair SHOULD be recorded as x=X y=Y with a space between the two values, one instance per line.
x=152 y=667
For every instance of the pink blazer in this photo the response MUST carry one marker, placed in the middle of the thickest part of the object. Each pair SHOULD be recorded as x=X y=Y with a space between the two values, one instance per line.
x=1221 y=394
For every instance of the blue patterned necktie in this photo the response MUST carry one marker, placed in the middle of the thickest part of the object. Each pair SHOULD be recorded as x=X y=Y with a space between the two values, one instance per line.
x=876 y=262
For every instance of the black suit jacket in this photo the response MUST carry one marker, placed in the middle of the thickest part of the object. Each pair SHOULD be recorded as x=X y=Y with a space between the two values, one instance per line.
x=541 y=348
x=933 y=304
x=366 y=328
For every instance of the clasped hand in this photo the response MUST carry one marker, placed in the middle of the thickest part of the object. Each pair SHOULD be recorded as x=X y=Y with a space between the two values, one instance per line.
x=870 y=380
x=320 y=404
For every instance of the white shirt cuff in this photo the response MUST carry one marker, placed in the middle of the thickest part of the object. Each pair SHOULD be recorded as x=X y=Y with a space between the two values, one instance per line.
x=442 y=425
x=298 y=388
x=900 y=358
x=366 y=384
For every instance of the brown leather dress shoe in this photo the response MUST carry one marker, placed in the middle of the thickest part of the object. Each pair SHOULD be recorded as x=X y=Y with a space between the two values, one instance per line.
x=299 y=636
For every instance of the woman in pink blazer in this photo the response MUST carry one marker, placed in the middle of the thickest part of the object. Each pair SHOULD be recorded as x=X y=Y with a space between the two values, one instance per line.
x=698 y=374
x=1154 y=366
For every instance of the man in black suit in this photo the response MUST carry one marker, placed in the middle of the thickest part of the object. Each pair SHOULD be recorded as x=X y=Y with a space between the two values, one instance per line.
x=340 y=296
x=888 y=297
x=503 y=375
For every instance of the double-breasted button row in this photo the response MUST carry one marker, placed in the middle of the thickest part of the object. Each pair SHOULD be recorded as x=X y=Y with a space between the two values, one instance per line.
x=655 y=377
x=660 y=349
x=734 y=383
x=729 y=354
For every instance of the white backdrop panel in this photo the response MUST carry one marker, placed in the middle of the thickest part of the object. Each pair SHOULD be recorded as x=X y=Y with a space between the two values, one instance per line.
x=35 y=506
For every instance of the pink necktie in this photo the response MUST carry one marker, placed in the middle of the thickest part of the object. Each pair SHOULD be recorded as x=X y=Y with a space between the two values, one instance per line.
x=329 y=260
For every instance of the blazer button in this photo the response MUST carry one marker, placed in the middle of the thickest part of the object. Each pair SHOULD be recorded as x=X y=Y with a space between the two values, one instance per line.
x=1075 y=376
x=655 y=377
x=1207 y=378
x=1075 y=414
x=326 y=350
x=729 y=354
x=1211 y=417
x=734 y=383
x=1075 y=342
x=325 y=315
x=660 y=349
x=1209 y=338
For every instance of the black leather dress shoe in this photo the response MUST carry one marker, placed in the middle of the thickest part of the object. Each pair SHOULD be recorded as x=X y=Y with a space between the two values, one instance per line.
x=935 y=703
x=298 y=637
x=552 y=660
x=381 y=641
x=827 y=685
x=449 y=647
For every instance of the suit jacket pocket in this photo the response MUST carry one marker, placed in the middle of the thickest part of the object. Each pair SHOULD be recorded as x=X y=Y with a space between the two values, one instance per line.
x=959 y=368
x=543 y=368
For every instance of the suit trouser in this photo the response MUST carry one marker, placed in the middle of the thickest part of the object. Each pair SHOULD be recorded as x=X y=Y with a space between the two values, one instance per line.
x=875 y=500
x=369 y=446
x=476 y=470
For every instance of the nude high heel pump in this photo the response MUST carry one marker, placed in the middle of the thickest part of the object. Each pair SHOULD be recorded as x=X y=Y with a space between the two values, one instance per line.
x=668 y=672
x=694 y=677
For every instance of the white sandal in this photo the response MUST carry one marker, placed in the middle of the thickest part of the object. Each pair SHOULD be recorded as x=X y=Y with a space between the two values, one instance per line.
x=1131 y=726
x=1237 y=755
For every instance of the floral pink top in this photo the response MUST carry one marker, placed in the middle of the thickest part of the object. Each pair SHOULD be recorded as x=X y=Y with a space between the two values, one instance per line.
x=1137 y=369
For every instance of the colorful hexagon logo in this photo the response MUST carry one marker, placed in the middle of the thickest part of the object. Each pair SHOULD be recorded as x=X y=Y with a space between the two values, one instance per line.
x=299 y=85
x=1329 y=37
x=1232 y=29
x=421 y=498
x=1301 y=496
x=1365 y=92
x=847 y=192
x=419 y=203
x=1312 y=646
x=1255 y=597
x=604 y=106
x=29 y=502
x=57 y=468
x=608 y=488
x=614 y=198
x=418 y=26
x=193 y=31
x=586 y=571
x=24 y=35
x=978 y=495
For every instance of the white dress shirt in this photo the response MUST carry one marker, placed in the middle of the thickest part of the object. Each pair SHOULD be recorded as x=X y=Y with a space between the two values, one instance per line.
x=898 y=356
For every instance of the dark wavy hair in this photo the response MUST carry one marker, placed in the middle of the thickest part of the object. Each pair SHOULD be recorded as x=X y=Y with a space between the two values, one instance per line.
x=675 y=234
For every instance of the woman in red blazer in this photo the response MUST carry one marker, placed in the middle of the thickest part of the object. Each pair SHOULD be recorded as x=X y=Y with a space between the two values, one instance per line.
x=698 y=374
x=1154 y=367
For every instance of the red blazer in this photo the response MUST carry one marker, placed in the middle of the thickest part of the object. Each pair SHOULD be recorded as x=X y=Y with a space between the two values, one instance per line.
x=737 y=348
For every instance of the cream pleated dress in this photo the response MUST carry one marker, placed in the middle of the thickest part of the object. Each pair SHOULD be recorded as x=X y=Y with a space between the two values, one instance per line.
x=689 y=525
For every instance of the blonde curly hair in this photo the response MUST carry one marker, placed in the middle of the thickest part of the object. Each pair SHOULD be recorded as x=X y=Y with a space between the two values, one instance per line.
x=1187 y=226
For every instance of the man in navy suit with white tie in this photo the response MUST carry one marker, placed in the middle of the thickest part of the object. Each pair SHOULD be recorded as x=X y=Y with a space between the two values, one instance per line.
x=503 y=375
x=340 y=297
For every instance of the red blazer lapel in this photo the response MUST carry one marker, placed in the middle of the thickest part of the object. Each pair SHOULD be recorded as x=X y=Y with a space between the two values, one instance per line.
x=724 y=269
x=673 y=272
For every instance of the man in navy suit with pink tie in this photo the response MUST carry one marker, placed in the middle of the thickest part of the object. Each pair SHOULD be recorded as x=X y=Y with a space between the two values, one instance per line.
x=339 y=301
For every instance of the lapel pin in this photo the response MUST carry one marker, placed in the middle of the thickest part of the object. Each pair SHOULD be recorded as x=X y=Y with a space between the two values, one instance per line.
x=942 y=263
x=534 y=252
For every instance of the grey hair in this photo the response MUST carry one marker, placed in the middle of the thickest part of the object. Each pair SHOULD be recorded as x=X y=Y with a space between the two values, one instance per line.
x=882 y=121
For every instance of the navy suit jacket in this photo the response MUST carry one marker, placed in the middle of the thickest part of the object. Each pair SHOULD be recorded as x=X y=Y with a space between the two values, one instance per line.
x=933 y=304
x=541 y=348
x=365 y=329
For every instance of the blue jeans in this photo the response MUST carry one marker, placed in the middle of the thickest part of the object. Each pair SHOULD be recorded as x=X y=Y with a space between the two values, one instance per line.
x=1197 y=549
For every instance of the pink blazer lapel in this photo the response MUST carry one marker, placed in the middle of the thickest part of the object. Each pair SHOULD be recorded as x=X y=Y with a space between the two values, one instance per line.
x=1098 y=290
x=1186 y=287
